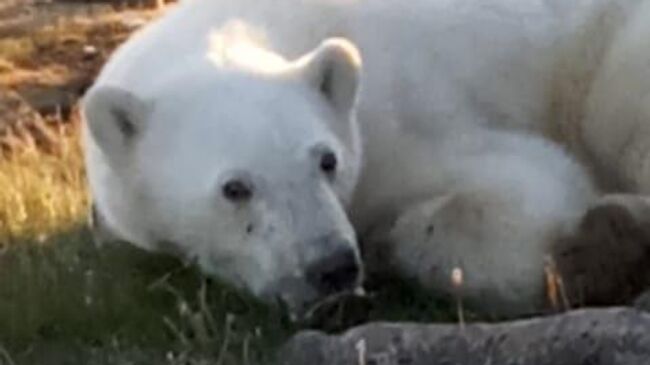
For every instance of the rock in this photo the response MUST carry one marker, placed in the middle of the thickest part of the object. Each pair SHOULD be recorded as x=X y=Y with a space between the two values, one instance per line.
x=615 y=336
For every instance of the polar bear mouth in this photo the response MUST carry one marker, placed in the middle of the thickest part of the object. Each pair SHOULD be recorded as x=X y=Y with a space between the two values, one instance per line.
x=325 y=304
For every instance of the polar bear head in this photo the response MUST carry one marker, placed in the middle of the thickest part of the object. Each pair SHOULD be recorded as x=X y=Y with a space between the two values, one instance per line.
x=245 y=168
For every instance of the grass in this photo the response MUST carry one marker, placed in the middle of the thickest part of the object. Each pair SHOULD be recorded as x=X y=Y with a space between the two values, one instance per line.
x=116 y=299
x=42 y=193
x=65 y=301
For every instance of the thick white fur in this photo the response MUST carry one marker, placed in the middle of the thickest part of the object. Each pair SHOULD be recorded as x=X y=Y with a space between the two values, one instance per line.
x=490 y=203
x=442 y=82
x=616 y=129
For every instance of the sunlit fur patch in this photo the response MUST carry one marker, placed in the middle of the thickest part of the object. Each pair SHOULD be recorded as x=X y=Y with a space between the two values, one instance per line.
x=239 y=45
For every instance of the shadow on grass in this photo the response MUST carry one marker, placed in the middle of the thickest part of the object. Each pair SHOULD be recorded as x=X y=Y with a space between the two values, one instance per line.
x=66 y=301
x=67 y=296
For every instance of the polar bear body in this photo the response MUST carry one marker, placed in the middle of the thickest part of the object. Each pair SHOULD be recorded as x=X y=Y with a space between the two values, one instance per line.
x=596 y=80
x=475 y=56
x=616 y=127
x=434 y=73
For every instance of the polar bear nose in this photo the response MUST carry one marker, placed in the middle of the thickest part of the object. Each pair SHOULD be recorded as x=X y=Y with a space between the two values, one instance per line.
x=335 y=273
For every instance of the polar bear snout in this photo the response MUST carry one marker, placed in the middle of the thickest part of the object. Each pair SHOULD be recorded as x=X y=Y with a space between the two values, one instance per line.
x=337 y=272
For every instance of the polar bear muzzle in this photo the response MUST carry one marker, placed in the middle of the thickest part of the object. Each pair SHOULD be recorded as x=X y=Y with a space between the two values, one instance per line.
x=340 y=271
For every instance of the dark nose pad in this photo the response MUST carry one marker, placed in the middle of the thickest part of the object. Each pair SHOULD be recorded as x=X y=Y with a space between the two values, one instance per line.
x=335 y=273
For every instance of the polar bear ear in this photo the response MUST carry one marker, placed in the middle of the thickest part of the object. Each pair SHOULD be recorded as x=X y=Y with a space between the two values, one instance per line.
x=334 y=70
x=114 y=117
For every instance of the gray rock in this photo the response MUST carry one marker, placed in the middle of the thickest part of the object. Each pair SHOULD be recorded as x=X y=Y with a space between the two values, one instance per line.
x=616 y=336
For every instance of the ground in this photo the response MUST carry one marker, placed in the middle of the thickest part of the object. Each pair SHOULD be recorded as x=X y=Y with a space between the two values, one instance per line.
x=63 y=299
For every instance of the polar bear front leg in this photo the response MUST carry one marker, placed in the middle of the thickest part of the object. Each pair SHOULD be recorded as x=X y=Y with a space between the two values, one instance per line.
x=498 y=250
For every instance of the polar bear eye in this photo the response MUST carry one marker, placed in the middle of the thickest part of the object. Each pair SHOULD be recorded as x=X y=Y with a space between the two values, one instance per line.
x=237 y=191
x=328 y=163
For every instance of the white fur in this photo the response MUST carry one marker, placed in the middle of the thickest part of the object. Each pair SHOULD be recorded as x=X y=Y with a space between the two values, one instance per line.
x=616 y=129
x=162 y=186
x=442 y=82
x=490 y=203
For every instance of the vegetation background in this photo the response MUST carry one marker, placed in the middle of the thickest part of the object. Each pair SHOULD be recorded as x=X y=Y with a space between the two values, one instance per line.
x=62 y=299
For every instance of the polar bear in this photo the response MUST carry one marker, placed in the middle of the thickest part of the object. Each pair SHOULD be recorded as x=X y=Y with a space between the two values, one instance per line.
x=265 y=139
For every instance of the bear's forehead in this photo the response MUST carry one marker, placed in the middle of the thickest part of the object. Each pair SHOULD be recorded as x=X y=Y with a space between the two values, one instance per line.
x=208 y=158
x=237 y=94
x=239 y=121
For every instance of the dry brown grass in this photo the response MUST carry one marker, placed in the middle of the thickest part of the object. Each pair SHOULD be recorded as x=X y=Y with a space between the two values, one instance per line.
x=6 y=66
x=41 y=192
x=44 y=192
x=54 y=54
x=16 y=48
